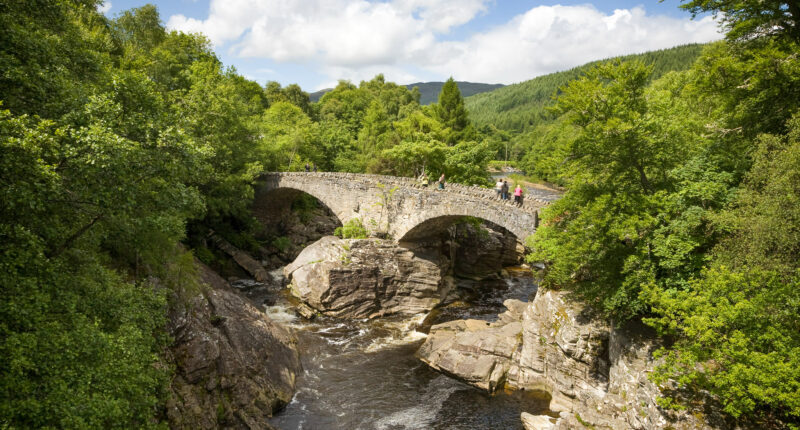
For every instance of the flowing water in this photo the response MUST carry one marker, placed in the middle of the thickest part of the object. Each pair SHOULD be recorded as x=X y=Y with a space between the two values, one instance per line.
x=364 y=375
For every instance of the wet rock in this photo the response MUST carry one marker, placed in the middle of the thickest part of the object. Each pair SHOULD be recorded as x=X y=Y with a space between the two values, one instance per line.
x=475 y=351
x=366 y=278
x=537 y=422
x=234 y=367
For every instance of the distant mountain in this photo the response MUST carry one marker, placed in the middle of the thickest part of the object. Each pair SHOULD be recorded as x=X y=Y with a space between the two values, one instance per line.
x=429 y=91
x=519 y=107
x=316 y=95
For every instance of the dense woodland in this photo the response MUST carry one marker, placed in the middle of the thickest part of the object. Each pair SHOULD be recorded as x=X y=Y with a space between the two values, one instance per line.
x=429 y=91
x=122 y=142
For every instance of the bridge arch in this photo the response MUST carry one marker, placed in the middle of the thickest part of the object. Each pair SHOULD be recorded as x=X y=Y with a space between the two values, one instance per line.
x=438 y=224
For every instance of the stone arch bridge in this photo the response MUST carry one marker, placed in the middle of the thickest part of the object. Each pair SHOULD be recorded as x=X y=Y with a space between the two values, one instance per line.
x=402 y=208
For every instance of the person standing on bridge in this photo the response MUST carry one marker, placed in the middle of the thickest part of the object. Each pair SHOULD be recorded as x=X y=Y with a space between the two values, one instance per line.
x=518 y=195
x=308 y=168
x=441 y=182
x=315 y=167
x=423 y=179
x=504 y=190
x=499 y=188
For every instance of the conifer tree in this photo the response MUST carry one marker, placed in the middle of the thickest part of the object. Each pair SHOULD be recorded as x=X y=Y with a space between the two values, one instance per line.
x=451 y=111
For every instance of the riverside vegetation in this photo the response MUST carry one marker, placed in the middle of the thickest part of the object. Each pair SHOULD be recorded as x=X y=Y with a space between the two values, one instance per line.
x=121 y=140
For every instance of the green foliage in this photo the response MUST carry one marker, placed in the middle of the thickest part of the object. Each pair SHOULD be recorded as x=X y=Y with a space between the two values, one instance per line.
x=599 y=237
x=450 y=111
x=746 y=19
x=739 y=339
x=305 y=206
x=467 y=163
x=738 y=333
x=282 y=243
x=352 y=229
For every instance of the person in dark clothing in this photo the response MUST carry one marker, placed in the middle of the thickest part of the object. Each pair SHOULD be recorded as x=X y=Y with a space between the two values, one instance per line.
x=308 y=167
x=504 y=190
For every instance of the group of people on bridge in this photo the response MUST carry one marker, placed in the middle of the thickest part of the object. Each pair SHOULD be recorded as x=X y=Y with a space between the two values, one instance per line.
x=501 y=187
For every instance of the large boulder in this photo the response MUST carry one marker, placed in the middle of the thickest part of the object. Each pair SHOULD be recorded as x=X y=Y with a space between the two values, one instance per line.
x=475 y=351
x=366 y=278
x=234 y=367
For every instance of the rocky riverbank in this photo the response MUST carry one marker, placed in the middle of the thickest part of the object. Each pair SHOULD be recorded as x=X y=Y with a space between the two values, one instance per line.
x=234 y=367
x=595 y=373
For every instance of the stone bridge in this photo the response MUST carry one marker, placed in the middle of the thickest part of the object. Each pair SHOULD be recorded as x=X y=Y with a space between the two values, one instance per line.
x=402 y=208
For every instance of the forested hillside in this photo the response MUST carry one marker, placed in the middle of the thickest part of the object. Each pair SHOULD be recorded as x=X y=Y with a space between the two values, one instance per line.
x=429 y=91
x=519 y=107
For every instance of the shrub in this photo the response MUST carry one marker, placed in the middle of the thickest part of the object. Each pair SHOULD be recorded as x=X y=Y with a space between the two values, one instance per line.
x=352 y=229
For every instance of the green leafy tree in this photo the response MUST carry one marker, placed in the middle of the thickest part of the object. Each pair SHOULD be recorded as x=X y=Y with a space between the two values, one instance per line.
x=748 y=19
x=467 y=163
x=737 y=328
x=289 y=137
x=598 y=237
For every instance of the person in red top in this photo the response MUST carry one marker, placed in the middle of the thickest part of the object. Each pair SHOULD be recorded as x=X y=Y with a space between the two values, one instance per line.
x=518 y=195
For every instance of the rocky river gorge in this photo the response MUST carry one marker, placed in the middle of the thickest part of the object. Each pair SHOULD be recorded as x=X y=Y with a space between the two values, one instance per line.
x=447 y=333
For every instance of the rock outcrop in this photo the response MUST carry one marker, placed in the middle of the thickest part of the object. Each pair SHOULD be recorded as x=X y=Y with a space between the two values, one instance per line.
x=475 y=351
x=234 y=367
x=595 y=374
x=366 y=278
x=564 y=351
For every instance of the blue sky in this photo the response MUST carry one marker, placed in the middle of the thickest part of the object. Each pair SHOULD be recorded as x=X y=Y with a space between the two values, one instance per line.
x=317 y=42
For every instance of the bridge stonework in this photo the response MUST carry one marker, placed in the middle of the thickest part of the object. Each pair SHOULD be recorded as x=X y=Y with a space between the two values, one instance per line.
x=401 y=207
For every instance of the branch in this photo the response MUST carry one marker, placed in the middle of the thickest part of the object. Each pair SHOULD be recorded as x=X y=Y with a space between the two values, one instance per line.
x=74 y=237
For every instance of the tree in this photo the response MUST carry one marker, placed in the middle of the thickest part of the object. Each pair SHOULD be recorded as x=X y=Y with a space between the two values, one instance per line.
x=598 y=239
x=467 y=163
x=748 y=19
x=738 y=334
x=450 y=111
x=289 y=137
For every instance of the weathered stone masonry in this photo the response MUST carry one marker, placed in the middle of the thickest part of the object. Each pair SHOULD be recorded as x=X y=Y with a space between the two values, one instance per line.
x=401 y=207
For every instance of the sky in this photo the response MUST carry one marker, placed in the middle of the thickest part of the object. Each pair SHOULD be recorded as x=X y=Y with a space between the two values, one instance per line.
x=315 y=43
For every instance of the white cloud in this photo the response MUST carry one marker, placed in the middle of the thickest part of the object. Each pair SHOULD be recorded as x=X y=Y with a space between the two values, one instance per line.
x=104 y=7
x=550 y=38
x=356 y=39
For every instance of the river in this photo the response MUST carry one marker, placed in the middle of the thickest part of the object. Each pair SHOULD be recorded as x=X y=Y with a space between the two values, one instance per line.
x=364 y=375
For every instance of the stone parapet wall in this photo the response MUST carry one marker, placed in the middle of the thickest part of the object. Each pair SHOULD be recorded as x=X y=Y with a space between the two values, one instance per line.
x=540 y=197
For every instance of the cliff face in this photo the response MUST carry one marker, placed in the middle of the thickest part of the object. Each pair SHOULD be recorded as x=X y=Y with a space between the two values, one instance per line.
x=234 y=367
x=596 y=374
